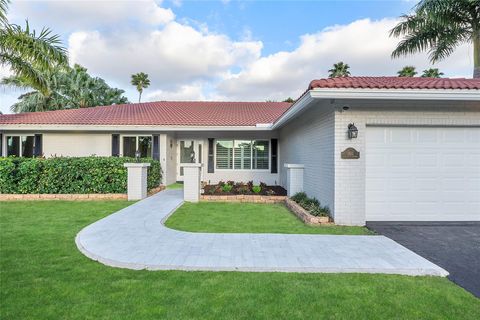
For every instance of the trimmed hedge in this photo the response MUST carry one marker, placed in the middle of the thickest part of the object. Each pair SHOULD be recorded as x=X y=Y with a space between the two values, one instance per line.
x=70 y=175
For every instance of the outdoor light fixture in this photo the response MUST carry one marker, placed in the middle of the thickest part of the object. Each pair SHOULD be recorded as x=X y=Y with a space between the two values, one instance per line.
x=137 y=155
x=352 y=131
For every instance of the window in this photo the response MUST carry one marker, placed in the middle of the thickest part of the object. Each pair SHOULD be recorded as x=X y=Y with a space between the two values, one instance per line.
x=140 y=143
x=260 y=155
x=21 y=146
x=145 y=146
x=242 y=154
x=224 y=154
x=13 y=146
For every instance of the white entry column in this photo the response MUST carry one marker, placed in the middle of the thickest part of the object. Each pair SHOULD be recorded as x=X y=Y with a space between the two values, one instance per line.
x=294 y=178
x=191 y=181
x=137 y=180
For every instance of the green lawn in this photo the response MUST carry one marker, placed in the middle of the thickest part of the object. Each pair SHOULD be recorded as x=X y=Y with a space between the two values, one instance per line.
x=247 y=218
x=44 y=276
x=175 y=185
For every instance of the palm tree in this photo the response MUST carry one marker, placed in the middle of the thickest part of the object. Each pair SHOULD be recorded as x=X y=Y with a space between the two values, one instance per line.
x=407 y=71
x=27 y=54
x=3 y=11
x=340 y=69
x=432 y=73
x=69 y=88
x=439 y=26
x=140 y=81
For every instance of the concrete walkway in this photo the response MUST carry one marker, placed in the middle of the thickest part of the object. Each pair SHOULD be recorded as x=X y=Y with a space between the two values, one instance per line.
x=135 y=238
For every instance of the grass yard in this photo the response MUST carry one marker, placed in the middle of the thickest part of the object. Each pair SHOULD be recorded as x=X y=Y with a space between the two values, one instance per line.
x=44 y=276
x=231 y=217
x=175 y=186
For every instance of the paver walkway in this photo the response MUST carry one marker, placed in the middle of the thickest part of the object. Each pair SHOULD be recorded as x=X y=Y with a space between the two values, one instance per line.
x=136 y=238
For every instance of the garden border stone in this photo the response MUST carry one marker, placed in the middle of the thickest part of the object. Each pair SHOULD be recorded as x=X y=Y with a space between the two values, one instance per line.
x=71 y=197
x=243 y=198
x=304 y=215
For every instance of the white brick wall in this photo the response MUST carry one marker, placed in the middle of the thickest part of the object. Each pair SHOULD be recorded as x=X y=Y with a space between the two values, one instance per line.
x=294 y=178
x=137 y=180
x=77 y=144
x=350 y=174
x=309 y=140
x=191 y=186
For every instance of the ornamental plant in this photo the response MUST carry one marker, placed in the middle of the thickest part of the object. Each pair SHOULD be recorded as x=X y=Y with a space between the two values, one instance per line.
x=70 y=175
x=256 y=189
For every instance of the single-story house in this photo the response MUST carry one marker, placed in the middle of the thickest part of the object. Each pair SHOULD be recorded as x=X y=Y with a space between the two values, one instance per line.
x=373 y=148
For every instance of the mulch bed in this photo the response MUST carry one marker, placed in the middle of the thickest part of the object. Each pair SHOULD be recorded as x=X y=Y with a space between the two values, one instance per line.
x=216 y=190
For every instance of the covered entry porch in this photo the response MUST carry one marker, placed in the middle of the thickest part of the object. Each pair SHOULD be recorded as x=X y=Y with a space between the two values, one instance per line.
x=239 y=156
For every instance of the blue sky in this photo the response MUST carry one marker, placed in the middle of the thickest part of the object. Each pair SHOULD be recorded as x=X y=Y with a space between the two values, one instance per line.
x=270 y=21
x=225 y=50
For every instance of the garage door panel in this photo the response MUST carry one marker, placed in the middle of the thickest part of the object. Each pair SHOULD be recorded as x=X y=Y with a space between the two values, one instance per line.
x=422 y=174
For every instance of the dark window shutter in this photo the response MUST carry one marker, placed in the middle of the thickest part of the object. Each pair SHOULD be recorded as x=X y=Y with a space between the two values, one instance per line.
x=274 y=156
x=211 y=157
x=115 y=145
x=1 y=145
x=156 y=147
x=38 y=152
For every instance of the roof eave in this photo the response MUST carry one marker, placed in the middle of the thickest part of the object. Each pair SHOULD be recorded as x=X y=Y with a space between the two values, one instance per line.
x=376 y=94
x=394 y=94
x=125 y=128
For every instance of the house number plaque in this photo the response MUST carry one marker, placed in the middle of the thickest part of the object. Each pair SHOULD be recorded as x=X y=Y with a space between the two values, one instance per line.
x=350 y=153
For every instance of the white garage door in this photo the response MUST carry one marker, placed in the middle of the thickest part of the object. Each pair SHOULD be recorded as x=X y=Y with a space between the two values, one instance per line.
x=422 y=174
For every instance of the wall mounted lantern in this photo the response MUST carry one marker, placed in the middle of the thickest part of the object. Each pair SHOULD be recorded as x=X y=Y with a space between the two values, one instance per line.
x=352 y=131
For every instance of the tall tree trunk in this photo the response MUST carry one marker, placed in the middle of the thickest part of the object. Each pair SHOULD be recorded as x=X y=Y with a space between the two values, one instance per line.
x=476 y=55
x=139 y=96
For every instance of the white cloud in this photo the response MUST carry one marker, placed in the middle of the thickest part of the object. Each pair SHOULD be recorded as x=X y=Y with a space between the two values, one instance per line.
x=173 y=55
x=68 y=15
x=186 y=93
x=363 y=44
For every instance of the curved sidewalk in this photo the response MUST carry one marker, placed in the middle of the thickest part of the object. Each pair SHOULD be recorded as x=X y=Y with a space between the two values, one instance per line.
x=135 y=238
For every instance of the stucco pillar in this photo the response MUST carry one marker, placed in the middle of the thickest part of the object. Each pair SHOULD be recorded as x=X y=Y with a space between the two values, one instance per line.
x=137 y=180
x=294 y=178
x=191 y=182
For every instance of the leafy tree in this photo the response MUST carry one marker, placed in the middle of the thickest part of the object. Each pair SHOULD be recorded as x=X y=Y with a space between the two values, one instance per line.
x=432 y=73
x=407 y=71
x=29 y=55
x=68 y=88
x=340 y=69
x=140 y=81
x=439 y=26
x=289 y=99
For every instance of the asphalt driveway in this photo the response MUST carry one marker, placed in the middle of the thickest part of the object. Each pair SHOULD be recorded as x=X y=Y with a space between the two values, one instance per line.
x=454 y=246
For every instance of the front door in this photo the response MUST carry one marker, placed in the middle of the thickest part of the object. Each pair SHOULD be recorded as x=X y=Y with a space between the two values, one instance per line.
x=189 y=151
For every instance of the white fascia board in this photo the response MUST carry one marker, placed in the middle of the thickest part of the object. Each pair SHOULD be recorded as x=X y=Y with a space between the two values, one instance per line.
x=297 y=107
x=396 y=94
x=376 y=94
x=124 y=128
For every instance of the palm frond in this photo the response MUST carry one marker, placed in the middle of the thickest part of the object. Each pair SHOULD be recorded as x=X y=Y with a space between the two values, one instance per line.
x=3 y=11
x=44 y=50
x=25 y=70
x=437 y=26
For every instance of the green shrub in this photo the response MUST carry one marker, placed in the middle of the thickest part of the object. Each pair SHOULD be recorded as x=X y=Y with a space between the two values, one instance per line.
x=299 y=197
x=227 y=188
x=312 y=205
x=256 y=189
x=70 y=175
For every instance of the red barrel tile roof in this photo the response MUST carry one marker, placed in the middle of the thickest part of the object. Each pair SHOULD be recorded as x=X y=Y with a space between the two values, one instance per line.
x=182 y=113
x=162 y=113
x=396 y=83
